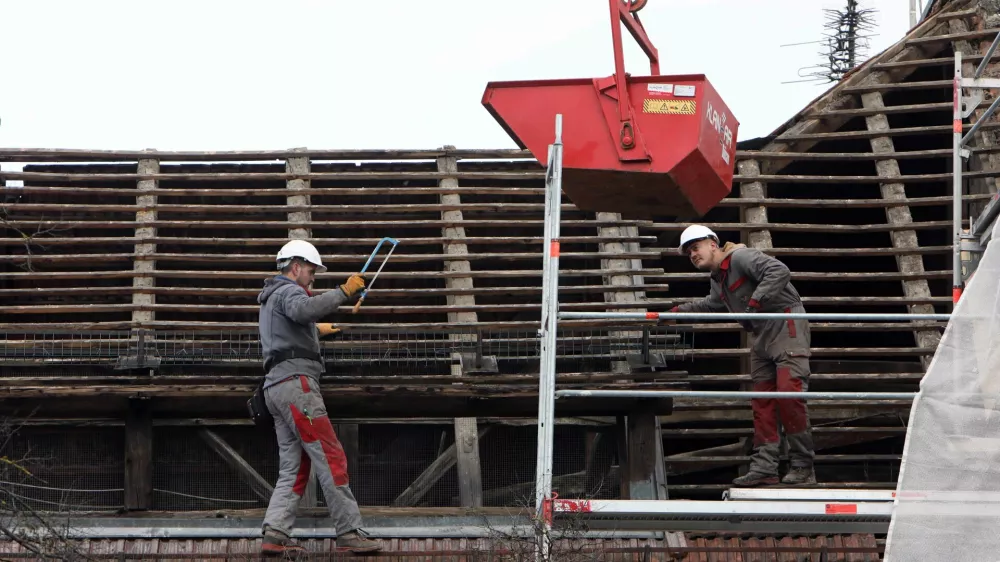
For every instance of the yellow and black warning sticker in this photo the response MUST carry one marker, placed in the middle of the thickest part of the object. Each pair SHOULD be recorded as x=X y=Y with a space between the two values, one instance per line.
x=672 y=107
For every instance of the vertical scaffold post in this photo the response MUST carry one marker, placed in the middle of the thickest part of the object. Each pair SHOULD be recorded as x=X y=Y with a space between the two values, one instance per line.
x=956 y=179
x=547 y=333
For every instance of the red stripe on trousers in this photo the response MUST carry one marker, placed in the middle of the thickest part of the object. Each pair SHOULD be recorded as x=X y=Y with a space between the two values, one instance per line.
x=765 y=423
x=320 y=429
x=792 y=412
x=302 y=478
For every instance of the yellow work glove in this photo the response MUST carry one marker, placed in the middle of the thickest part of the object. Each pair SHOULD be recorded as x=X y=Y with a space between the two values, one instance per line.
x=353 y=284
x=327 y=329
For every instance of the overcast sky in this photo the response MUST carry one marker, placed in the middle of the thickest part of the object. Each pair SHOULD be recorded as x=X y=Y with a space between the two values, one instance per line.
x=339 y=74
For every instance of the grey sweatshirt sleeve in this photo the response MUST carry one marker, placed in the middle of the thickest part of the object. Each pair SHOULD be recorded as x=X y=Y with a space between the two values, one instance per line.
x=770 y=274
x=711 y=303
x=303 y=309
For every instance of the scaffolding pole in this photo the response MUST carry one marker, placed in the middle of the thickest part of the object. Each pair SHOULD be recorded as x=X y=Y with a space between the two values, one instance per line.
x=872 y=317
x=547 y=333
x=738 y=395
x=962 y=107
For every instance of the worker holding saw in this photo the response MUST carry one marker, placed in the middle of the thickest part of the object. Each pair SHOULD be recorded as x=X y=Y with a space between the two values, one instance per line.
x=747 y=280
x=289 y=336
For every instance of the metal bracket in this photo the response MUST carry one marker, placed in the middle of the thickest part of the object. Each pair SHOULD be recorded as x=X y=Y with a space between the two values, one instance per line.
x=647 y=360
x=136 y=362
x=474 y=363
x=141 y=360
x=971 y=102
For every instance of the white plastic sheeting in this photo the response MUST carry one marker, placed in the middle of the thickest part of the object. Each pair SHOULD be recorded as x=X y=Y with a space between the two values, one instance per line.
x=947 y=504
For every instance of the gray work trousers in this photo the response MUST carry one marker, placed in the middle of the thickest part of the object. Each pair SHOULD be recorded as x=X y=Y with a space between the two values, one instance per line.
x=779 y=361
x=306 y=439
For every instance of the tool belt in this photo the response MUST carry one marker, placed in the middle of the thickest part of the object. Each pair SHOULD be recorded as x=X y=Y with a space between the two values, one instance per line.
x=287 y=354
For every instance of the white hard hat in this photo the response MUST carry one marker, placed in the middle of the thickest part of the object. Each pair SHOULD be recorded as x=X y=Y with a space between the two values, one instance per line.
x=694 y=233
x=302 y=250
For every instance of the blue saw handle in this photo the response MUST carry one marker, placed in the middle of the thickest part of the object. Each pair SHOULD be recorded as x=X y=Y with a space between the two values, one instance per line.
x=364 y=293
x=392 y=241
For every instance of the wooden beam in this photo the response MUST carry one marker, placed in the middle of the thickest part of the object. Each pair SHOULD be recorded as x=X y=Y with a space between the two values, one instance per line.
x=139 y=455
x=298 y=167
x=470 y=479
x=260 y=487
x=894 y=191
x=143 y=264
x=399 y=224
x=74 y=155
x=646 y=475
x=430 y=476
x=274 y=176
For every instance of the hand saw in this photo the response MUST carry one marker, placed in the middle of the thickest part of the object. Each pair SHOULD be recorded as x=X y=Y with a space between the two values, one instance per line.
x=364 y=293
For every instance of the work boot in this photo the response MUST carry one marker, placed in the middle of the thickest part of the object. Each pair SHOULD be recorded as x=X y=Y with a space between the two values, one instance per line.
x=276 y=546
x=755 y=478
x=800 y=475
x=357 y=541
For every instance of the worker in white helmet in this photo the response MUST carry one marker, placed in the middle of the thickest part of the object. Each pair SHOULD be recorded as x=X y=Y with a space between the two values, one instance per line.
x=289 y=337
x=747 y=280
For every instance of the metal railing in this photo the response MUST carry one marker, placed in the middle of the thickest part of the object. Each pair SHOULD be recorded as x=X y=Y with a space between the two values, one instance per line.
x=847 y=317
x=393 y=350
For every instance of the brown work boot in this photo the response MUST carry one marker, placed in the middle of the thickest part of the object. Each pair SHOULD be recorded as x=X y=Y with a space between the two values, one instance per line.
x=800 y=475
x=273 y=546
x=754 y=478
x=357 y=541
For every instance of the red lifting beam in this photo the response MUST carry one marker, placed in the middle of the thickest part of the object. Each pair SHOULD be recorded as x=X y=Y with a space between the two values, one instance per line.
x=628 y=15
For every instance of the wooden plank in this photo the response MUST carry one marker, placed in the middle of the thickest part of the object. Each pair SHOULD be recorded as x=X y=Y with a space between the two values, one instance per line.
x=272 y=176
x=891 y=110
x=301 y=203
x=336 y=275
x=655 y=274
x=900 y=215
x=107 y=241
x=226 y=190
x=771 y=155
x=369 y=309
x=401 y=224
x=138 y=455
x=329 y=259
x=885 y=86
x=842 y=181
x=470 y=479
x=802 y=227
x=260 y=487
x=74 y=155
x=929 y=131
x=951 y=37
x=942 y=200
x=28 y=292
